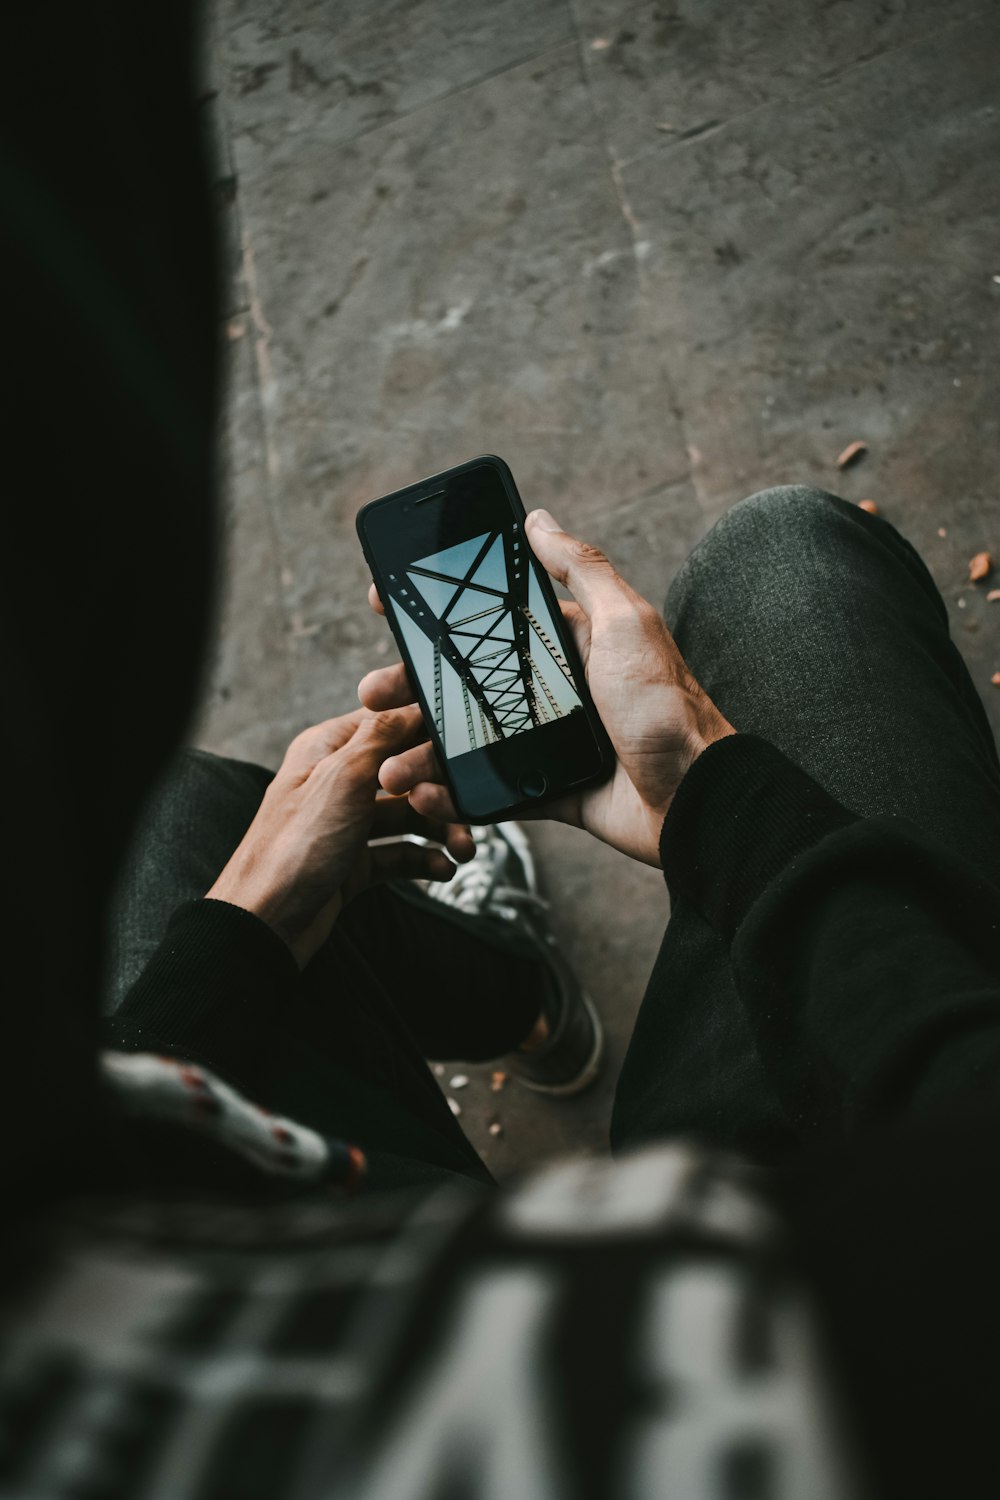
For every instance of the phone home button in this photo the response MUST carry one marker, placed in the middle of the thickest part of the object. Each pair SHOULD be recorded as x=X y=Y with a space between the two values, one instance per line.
x=532 y=785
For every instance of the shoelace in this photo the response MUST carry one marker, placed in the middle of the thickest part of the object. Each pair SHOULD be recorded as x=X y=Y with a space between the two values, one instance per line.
x=506 y=900
x=476 y=887
x=468 y=889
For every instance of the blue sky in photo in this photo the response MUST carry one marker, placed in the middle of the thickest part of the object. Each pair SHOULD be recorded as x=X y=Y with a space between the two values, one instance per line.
x=435 y=595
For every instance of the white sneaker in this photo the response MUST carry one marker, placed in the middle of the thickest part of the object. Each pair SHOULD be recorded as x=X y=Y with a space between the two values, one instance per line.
x=500 y=885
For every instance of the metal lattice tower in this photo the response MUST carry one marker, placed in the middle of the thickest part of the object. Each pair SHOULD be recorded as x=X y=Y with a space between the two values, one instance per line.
x=438 y=693
x=556 y=710
x=552 y=649
x=484 y=634
x=468 y=712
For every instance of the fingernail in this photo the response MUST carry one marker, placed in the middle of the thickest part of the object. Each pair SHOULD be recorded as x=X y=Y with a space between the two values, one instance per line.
x=544 y=521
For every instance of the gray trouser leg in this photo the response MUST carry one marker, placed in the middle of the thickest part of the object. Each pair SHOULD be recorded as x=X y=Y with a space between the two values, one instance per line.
x=817 y=626
x=190 y=826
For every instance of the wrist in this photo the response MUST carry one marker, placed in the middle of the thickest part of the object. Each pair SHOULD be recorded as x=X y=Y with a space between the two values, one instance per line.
x=291 y=919
x=703 y=738
x=696 y=742
x=240 y=888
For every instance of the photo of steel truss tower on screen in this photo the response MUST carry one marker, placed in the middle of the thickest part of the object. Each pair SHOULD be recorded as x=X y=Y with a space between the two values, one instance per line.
x=482 y=641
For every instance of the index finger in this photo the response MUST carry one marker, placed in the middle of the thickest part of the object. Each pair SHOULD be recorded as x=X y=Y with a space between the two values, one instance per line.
x=593 y=581
x=314 y=744
x=376 y=737
x=388 y=730
x=386 y=687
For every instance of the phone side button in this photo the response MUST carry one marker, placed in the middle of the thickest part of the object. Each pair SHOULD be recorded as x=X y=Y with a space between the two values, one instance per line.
x=532 y=785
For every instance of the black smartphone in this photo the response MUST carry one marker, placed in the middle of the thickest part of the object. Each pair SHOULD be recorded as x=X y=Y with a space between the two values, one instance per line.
x=481 y=633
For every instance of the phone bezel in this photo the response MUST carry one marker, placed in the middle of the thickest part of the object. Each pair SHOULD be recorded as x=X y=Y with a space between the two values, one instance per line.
x=427 y=489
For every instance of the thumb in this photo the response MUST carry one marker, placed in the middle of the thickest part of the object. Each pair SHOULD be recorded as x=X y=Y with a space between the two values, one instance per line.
x=584 y=570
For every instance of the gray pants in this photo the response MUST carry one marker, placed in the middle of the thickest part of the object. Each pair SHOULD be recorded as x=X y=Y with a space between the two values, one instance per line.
x=807 y=622
x=818 y=627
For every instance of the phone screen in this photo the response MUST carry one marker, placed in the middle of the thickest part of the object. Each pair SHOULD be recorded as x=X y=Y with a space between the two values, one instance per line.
x=482 y=641
x=483 y=638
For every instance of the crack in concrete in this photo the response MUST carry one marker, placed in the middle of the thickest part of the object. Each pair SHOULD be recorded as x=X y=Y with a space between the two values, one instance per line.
x=396 y=118
x=251 y=307
x=640 y=245
x=267 y=386
x=823 y=80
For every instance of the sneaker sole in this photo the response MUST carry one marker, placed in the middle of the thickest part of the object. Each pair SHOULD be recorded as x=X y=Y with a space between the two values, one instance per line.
x=587 y=1076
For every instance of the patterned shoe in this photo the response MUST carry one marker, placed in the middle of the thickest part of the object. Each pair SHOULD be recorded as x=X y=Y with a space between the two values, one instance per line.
x=500 y=885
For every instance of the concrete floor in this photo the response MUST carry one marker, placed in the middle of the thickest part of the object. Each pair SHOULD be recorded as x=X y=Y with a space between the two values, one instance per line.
x=658 y=256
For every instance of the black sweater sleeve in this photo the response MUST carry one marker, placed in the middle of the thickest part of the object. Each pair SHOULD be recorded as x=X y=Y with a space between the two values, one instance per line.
x=866 y=956
x=210 y=991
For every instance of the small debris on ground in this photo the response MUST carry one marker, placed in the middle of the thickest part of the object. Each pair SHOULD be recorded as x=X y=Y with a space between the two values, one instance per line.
x=460 y=1081
x=497 y=1081
x=439 y=1070
x=942 y=531
x=851 y=454
x=454 y=1106
x=495 y=1128
x=980 y=566
x=600 y=44
x=961 y=603
x=993 y=596
x=869 y=506
x=300 y=630
x=666 y=125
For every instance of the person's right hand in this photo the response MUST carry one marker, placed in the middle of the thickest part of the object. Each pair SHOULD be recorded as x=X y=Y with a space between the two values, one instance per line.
x=657 y=716
x=308 y=850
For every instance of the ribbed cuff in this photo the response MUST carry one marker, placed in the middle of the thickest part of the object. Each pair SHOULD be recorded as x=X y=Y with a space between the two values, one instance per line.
x=742 y=813
x=218 y=968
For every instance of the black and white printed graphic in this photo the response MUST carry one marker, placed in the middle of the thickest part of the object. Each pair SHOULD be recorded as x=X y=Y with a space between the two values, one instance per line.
x=482 y=641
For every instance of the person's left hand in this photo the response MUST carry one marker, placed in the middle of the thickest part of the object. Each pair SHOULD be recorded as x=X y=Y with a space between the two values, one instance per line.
x=307 y=851
x=658 y=717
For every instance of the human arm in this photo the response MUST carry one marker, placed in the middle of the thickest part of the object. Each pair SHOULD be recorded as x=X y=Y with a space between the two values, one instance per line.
x=862 y=951
x=227 y=962
x=309 y=849
x=866 y=955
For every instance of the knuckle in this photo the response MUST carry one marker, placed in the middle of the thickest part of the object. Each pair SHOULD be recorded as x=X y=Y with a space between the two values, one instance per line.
x=383 y=724
x=588 y=556
x=299 y=752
